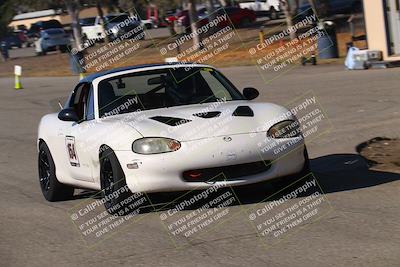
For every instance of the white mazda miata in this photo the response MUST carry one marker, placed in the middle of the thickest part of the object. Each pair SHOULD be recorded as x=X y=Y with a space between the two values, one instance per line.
x=166 y=127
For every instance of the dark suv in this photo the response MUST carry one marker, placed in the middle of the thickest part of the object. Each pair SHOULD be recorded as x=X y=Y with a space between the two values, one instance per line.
x=34 y=30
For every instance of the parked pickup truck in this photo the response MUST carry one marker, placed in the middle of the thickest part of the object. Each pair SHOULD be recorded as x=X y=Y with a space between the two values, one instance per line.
x=116 y=24
x=270 y=8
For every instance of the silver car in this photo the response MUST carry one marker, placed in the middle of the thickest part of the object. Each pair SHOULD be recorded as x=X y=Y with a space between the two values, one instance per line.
x=51 y=40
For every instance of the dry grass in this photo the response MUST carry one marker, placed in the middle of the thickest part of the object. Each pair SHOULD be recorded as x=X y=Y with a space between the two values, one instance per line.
x=237 y=55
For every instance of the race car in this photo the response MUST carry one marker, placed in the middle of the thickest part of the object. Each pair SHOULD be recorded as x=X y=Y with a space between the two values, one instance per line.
x=163 y=128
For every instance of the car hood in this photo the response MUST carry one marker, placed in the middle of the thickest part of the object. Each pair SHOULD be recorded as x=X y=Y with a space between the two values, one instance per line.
x=199 y=121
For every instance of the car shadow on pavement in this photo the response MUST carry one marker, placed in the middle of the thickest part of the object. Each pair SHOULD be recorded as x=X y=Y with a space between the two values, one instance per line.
x=334 y=173
x=341 y=172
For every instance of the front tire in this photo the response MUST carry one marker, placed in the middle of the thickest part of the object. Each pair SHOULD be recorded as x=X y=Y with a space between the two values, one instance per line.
x=245 y=22
x=113 y=183
x=51 y=188
x=63 y=49
x=273 y=14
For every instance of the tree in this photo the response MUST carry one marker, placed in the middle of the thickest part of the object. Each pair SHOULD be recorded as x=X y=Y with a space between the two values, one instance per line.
x=131 y=5
x=193 y=22
x=210 y=9
x=73 y=8
x=7 y=12
x=100 y=12
x=289 y=9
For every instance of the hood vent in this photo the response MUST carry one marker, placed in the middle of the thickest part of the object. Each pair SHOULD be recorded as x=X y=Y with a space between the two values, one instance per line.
x=171 y=121
x=243 y=111
x=207 y=115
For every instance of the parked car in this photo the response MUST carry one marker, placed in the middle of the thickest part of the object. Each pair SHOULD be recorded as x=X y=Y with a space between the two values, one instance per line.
x=51 y=40
x=12 y=40
x=92 y=28
x=240 y=17
x=331 y=7
x=22 y=36
x=148 y=23
x=4 y=50
x=171 y=15
x=182 y=19
x=34 y=31
x=109 y=137
x=270 y=8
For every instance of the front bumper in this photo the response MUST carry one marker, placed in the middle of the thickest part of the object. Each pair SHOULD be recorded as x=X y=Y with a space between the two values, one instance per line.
x=164 y=172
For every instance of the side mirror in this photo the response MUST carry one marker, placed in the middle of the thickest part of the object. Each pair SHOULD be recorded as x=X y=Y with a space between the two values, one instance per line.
x=68 y=114
x=250 y=93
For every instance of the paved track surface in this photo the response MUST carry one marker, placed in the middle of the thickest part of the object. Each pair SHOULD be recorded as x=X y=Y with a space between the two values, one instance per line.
x=362 y=229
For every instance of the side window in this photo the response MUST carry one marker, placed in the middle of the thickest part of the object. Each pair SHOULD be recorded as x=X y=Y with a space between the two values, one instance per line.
x=79 y=98
x=90 y=106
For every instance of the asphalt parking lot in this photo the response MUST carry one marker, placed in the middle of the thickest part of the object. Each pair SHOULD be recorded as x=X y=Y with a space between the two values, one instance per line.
x=361 y=229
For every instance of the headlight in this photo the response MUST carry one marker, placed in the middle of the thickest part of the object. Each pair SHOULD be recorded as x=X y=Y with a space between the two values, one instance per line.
x=285 y=129
x=155 y=145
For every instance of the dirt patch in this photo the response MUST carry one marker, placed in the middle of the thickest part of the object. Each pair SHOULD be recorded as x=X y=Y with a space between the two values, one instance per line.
x=382 y=153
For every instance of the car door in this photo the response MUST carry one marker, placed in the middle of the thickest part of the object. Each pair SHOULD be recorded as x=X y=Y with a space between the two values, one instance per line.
x=77 y=135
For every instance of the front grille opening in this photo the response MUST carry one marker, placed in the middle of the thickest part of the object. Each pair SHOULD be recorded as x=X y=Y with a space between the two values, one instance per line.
x=230 y=172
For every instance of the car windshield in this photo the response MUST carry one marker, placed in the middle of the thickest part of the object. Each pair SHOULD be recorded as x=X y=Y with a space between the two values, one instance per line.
x=163 y=88
x=116 y=19
x=50 y=24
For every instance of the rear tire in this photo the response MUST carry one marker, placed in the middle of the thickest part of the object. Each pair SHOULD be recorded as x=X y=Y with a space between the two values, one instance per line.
x=51 y=188
x=63 y=49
